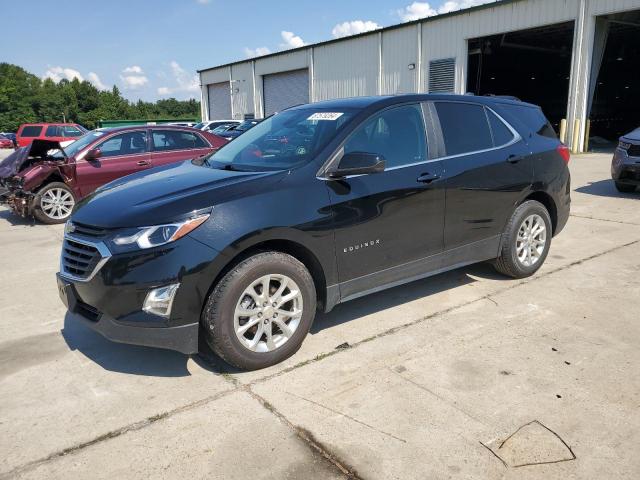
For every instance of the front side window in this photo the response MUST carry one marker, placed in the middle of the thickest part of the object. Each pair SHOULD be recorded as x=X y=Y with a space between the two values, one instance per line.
x=397 y=134
x=167 y=140
x=68 y=131
x=465 y=128
x=31 y=131
x=287 y=140
x=131 y=143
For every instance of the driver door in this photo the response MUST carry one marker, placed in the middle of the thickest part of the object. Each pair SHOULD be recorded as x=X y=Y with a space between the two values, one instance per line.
x=389 y=226
x=121 y=155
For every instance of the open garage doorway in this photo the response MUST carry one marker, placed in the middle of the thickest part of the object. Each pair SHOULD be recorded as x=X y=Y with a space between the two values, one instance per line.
x=533 y=65
x=614 y=94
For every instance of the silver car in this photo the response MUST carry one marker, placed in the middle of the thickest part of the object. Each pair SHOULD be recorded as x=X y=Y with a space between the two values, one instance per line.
x=625 y=167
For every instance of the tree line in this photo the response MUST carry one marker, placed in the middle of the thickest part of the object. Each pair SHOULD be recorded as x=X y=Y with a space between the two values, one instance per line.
x=26 y=98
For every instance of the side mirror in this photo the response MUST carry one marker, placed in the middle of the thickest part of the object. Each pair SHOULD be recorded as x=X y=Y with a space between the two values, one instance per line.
x=93 y=154
x=358 y=163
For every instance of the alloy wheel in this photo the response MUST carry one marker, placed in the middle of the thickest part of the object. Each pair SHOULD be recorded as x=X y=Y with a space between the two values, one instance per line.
x=57 y=203
x=268 y=313
x=531 y=240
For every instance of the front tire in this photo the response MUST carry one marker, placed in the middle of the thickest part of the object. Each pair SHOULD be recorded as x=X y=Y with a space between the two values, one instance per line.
x=261 y=311
x=624 y=188
x=526 y=241
x=54 y=203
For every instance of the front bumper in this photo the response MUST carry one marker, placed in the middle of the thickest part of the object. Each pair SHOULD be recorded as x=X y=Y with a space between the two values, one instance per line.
x=111 y=300
x=625 y=169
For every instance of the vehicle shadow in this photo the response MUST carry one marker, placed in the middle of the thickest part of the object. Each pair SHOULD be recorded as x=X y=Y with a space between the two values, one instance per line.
x=16 y=220
x=137 y=360
x=605 y=188
x=121 y=358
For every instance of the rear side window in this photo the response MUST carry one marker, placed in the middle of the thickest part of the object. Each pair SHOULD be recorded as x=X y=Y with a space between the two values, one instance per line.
x=31 y=131
x=52 y=131
x=534 y=119
x=501 y=134
x=397 y=134
x=167 y=140
x=465 y=128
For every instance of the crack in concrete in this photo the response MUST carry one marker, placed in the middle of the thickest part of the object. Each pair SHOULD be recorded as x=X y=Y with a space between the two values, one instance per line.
x=307 y=437
x=113 y=434
x=605 y=220
x=337 y=412
x=302 y=433
x=445 y=311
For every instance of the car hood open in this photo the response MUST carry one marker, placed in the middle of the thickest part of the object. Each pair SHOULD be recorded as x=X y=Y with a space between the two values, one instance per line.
x=166 y=194
x=25 y=156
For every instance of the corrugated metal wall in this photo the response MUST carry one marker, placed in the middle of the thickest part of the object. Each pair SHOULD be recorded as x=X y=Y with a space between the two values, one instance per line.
x=379 y=62
x=399 y=51
x=346 y=69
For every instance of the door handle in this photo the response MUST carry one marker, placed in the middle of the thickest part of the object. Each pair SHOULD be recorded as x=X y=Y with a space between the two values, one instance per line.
x=515 y=158
x=143 y=163
x=428 y=178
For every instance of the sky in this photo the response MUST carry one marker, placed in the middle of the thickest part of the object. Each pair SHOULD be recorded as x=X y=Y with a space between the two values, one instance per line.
x=151 y=49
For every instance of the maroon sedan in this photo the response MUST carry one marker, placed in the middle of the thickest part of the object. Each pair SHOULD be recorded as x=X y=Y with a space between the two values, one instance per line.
x=45 y=181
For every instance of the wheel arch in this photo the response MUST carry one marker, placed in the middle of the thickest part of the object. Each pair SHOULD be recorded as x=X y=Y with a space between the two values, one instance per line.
x=549 y=203
x=296 y=249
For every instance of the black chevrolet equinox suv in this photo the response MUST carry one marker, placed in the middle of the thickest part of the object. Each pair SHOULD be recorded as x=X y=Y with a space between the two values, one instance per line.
x=315 y=206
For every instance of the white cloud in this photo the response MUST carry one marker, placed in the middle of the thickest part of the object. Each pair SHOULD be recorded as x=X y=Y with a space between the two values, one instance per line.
x=256 y=52
x=291 y=40
x=185 y=82
x=133 y=69
x=95 y=80
x=58 y=73
x=419 y=10
x=133 y=77
x=354 y=27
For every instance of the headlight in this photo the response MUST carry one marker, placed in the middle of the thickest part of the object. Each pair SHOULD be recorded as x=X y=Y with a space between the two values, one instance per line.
x=624 y=145
x=149 y=237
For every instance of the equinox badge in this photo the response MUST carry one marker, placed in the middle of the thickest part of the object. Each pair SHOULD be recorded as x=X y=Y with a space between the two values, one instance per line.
x=368 y=244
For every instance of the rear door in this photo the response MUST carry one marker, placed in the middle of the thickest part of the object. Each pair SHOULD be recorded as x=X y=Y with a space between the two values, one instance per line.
x=388 y=224
x=122 y=154
x=489 y=169
x=172 y=145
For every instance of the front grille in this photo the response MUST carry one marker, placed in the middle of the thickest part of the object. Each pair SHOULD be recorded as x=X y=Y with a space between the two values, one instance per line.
x=634 y=151
x=79 y=260
x=88 y=230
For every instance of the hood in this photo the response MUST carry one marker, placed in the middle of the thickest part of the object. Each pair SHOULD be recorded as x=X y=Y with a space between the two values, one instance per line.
x=633 y=136
x=25 y=156
x=165 y=194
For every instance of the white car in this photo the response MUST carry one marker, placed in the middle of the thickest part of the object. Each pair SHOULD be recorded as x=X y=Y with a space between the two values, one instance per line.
x=210 y=125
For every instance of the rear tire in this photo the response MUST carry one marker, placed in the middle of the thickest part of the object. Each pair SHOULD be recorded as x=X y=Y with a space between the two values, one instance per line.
x=54 y=203
x=526 y=241
x=251 y=330
x=624 y=188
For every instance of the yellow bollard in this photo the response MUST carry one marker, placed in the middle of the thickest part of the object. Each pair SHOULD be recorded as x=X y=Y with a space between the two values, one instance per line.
x=563 y=130
x=587 y=134
x=575 y=145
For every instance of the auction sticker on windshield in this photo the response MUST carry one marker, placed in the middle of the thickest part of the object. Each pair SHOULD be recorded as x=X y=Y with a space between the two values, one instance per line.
x=331 y=116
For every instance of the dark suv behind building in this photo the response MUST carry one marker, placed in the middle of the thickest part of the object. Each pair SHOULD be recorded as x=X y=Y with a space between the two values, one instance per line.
x=315 y=206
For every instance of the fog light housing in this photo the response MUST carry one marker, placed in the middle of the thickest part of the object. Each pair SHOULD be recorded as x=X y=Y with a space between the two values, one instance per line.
x=160 y=300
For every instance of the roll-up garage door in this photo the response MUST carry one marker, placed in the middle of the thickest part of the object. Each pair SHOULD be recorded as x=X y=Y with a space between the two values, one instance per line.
x=283 y=90
x=219 y=101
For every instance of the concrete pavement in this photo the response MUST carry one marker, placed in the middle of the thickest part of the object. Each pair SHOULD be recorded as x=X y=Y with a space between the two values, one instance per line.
x=464 y=375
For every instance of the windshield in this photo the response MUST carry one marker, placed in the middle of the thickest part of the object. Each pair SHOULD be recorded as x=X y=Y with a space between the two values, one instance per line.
x=80 y=143
x=289 y=139
x=198 y=126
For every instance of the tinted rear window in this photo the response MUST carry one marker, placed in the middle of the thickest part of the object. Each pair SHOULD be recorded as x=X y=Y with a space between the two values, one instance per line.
x=534 y=119
x=31 y=131
x=464 y=127
x=52 y=131
x=501 y=134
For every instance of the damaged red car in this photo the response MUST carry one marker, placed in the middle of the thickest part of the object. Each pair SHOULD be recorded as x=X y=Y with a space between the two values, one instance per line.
x=45 y=181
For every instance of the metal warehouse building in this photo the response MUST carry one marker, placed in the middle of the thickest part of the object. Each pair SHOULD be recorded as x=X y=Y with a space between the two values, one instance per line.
x=578 y=59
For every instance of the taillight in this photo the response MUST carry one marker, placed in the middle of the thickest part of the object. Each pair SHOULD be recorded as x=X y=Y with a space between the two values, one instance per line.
x=564 y=152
